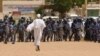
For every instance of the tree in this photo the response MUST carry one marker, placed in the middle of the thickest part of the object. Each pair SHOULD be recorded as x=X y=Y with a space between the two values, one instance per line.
x=78 y=3
x=62 y=5
x=39 y=10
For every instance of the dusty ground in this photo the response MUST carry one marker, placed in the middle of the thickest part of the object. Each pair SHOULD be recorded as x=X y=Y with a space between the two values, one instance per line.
x=51 y=49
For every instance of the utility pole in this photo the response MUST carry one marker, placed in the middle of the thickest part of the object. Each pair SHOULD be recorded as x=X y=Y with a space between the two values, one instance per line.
x=1 y=14
x=86 y=7
x=1 y=5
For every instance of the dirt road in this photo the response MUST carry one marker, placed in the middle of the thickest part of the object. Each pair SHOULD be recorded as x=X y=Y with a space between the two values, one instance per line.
x=51 y=49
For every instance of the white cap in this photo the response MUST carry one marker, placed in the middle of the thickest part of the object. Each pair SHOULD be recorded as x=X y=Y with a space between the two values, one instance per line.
x=39 y=15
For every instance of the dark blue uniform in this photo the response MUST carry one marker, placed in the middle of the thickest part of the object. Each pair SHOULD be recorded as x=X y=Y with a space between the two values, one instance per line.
x=1 y=30
x=66 y=30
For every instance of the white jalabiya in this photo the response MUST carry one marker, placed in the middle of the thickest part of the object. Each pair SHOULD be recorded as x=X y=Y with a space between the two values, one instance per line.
x=37 y=25
x=30 y=27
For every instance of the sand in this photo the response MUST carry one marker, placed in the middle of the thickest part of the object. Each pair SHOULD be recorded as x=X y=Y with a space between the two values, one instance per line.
x=51 y=49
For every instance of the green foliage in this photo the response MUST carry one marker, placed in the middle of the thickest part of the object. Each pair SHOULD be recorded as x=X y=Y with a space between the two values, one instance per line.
x=65 y=5
x=62 y=5
x=39 y=10
x=78 y=2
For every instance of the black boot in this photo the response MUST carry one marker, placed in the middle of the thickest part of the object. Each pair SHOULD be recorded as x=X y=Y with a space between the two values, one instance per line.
x=38 y=48
x=98 y=41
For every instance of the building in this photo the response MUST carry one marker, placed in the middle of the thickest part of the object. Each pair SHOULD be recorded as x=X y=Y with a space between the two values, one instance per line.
x=20 y=7
x=93 y=8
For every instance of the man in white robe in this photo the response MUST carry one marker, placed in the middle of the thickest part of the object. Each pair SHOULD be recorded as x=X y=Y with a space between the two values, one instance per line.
x=37 y=25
